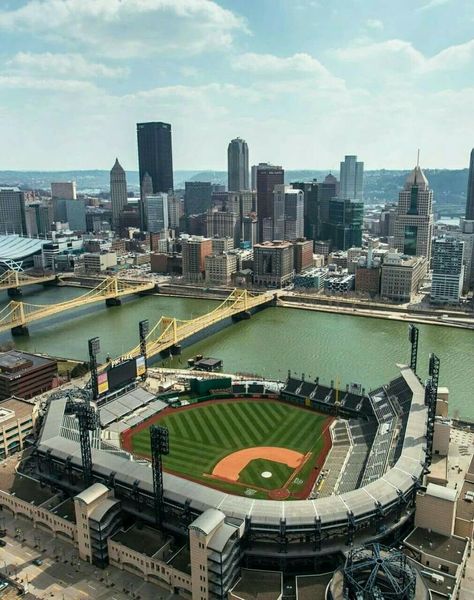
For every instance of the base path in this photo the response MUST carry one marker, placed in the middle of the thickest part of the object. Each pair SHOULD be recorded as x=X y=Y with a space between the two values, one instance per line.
x=231 y=466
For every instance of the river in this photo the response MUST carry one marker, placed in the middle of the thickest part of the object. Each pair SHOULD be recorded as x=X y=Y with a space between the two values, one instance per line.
x=332 y=346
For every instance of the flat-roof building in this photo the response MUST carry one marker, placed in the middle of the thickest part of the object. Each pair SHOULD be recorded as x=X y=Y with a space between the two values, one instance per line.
x=17 y=421
x=273 y=263
x=25 y=375
x=402 y=276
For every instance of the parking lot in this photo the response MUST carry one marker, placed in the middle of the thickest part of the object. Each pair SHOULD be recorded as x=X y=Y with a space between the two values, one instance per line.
x=61 y=574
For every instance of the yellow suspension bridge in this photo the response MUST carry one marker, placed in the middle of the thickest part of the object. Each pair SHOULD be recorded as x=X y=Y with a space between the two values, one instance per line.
x=18 y=315
x=169 y=332
x=12 y=281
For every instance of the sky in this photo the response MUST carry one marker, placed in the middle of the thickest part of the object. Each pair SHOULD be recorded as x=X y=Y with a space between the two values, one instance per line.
x=304 y=82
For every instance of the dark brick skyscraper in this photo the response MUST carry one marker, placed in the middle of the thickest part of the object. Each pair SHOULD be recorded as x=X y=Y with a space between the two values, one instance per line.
x=155 y=155
x=268 y=176
x=470 y=190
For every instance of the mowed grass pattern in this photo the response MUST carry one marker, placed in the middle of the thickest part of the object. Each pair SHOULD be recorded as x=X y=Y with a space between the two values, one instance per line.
x=200 y=436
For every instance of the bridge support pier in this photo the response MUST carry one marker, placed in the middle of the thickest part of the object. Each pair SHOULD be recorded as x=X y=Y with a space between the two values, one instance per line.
x=19 y=330
x=14 y=292
x=113 y=302
x=175 y=350
x=242 y=316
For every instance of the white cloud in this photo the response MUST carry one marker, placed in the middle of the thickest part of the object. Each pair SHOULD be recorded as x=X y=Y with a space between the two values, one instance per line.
x=375 y=24
x=397 y=60
x=316 y=124
x=454 y=57
x=67 y=65
x=432 y=4
x=20 y=82
x=289 y=68
x=128 y=28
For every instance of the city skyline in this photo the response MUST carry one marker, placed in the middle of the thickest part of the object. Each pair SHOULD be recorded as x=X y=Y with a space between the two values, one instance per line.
x=356 y=74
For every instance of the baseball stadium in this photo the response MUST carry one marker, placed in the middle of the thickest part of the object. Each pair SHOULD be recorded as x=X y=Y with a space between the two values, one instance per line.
x=295 y=471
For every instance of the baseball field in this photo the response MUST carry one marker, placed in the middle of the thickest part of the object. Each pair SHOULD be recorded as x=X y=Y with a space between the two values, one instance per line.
x=258 y=448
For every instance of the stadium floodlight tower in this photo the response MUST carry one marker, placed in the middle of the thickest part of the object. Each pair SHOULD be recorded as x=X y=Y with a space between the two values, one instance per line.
x=378 y=573
x=431 y=397
x=143 y=330
x=159 y=440
x=88 y=421
x=413 y=334
x=94 y=349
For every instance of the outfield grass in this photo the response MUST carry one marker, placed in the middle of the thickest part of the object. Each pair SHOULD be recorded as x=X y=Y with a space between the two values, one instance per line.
x=200 y=436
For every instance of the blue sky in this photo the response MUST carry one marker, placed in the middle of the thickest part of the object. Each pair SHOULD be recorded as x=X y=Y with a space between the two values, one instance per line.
x=303 y=81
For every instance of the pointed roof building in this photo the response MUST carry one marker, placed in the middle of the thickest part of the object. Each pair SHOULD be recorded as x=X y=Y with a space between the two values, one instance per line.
x=118 y=191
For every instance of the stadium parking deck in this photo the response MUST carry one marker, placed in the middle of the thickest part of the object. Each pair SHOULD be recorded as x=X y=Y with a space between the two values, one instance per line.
x=258 y=585
x=23 y=487
x=144 y=539
x=182 y=560
x=312 y=586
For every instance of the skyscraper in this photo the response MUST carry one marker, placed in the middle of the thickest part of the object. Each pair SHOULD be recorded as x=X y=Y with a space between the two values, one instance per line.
x=311 y=207
x=346 y=218
x=470 y=190
x=352 y=178
x=238 y=165
x=12 y=211
x=118 y=191
x=194 y=251
x=156 y=212
x=413 y=225
x=223 y=224
x=288 y=213
x=197 y=197
x=448 y=270
x=155 y=155
x=267 y=177
x=64 y=190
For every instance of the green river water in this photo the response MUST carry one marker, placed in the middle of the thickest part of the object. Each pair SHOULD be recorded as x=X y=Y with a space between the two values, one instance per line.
x=332 y=346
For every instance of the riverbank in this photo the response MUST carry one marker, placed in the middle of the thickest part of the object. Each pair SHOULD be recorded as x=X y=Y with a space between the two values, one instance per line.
x=448 y=317
x=300 y=302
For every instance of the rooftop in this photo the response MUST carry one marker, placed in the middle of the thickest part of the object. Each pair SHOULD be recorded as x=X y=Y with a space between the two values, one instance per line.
x=92 y=493
x=449 y=548
x=208 y=520
x=274 y=244
x=439 y=491
x=19 y=410
x=14 y=362
x=465 y=508
x=14 y=247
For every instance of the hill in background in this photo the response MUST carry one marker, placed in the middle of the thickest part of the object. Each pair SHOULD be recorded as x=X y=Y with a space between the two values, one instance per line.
x=381 y=185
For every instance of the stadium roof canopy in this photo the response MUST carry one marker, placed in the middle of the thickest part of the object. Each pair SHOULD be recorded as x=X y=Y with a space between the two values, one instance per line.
x=15 y=247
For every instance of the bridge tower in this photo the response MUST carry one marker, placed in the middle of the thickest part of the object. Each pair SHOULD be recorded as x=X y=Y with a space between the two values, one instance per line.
x=18 y=314
x=112 y=286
